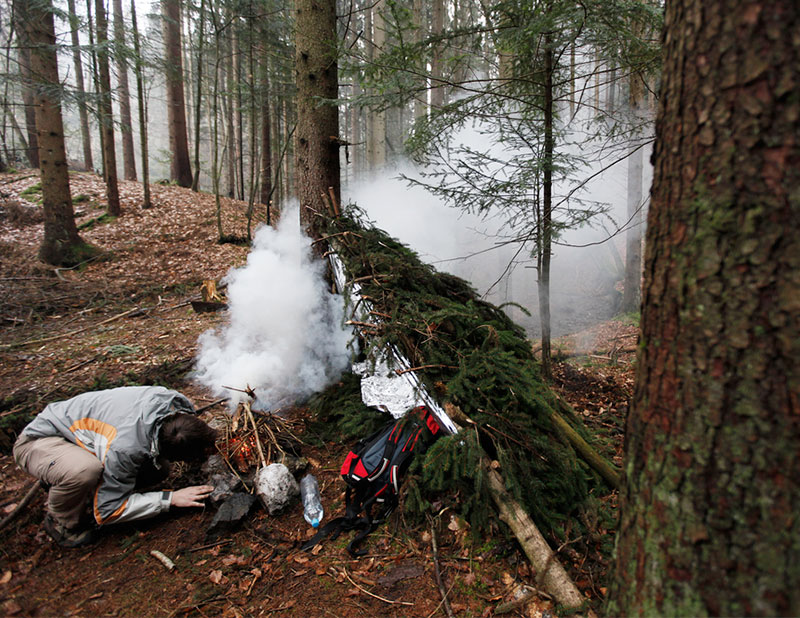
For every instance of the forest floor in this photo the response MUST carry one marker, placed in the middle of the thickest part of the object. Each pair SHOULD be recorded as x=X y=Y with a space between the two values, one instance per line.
x=127 y=319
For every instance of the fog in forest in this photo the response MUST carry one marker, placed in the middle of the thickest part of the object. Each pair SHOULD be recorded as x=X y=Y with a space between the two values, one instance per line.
x=588 y=263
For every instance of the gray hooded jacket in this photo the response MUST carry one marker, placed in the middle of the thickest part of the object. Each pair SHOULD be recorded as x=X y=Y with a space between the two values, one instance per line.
x=120 y=427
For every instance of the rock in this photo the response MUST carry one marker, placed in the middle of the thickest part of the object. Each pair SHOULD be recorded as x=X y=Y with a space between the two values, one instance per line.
x=276 y=487
x=230 y=513
x=224 y=481
x=224 y=487
x=296 y=465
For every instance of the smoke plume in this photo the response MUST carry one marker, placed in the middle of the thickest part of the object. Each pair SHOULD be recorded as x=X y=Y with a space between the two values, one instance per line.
x=285 y=336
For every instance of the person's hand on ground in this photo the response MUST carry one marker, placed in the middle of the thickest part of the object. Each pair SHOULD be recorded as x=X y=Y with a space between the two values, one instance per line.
x=191 y=496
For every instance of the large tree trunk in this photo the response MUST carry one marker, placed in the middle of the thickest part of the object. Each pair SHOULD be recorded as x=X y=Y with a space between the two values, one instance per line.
x=317 y=116
x=126 y=130
x=709 y=521
x=106 y=111
x=83 y=112
x=180 y=167
x=60 y=234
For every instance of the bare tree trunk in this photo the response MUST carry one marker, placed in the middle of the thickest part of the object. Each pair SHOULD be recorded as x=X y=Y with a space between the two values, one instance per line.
x=24 y=60
x=421 y=98
x=266 y=141
x=126 y=125
x=95 y=73
x=230 y=132
x=378 y=133
x=237 y=116
x=180 y=169
x=198 y=96
x=317 y=116
x=437 y=69
x=83 y=112
x=254 y=168
x=631 y=295
x=147 y=202
x=547 y=210
x=106 y=111
x=61 y=242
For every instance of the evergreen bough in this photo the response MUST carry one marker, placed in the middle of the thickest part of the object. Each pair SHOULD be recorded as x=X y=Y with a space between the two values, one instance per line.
x=475 y=358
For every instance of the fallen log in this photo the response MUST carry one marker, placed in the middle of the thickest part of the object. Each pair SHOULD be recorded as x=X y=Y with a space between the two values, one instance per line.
x=610 y=473
x=549 y=572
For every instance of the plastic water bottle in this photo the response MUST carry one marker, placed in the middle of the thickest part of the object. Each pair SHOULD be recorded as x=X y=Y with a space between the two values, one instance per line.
x=309 y=494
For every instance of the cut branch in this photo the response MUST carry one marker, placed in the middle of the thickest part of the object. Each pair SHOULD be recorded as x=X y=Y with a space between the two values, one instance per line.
x=551 y=574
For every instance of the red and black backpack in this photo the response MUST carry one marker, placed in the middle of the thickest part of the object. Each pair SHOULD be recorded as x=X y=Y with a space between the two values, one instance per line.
x=374 y=471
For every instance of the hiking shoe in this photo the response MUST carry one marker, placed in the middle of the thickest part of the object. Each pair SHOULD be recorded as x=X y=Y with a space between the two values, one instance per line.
x=68 y=537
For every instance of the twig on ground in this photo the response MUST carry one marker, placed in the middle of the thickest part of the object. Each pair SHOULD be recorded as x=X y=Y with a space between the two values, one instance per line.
x=21 y=506
x=438 y=573
x=367 y=592
x=9 y=346
x=510 y=606
x=210 y=545
x=202 y=409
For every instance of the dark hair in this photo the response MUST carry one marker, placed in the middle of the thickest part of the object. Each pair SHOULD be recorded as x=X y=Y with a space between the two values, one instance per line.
x=184 y=437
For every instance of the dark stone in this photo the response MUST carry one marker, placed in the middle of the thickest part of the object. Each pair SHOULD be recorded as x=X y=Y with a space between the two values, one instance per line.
x=230 y=514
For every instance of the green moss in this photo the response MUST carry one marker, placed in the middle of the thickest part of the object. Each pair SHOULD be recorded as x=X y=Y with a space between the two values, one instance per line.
x=104 y=218
x=34 y=191
x=80 y=253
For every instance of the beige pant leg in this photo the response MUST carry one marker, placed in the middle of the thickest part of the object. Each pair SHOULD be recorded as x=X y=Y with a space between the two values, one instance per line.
x=71 y=471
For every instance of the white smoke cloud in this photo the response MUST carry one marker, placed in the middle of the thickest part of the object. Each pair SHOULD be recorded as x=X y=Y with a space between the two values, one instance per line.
x=285 y=336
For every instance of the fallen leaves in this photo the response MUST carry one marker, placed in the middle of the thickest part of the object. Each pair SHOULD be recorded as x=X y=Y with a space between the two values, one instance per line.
x=217 y=577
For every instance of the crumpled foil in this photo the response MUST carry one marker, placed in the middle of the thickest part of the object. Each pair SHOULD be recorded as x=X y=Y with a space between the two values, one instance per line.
x=382 y=388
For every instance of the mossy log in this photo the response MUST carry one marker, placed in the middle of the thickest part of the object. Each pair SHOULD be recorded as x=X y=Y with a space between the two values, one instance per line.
x=607 y=470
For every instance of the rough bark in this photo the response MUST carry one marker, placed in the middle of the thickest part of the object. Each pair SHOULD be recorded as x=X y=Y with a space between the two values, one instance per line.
x=317 y=156
x=83 y=112
x=126 y=125
x=105 y=110
x=180 y=166
x=709 y=520
x=60 y=233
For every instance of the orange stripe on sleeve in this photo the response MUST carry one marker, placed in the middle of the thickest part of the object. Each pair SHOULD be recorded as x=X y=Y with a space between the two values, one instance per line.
x=99 y=518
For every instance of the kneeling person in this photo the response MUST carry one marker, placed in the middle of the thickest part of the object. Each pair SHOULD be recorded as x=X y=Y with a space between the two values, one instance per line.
x=95 y=449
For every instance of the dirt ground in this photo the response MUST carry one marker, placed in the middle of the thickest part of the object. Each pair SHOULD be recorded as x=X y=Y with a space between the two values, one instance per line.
x=127 y=318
